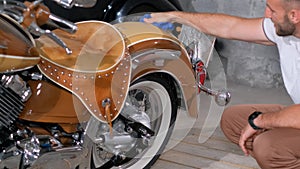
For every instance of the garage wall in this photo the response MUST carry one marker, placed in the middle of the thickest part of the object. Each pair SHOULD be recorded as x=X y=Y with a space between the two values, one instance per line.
x=250 y=64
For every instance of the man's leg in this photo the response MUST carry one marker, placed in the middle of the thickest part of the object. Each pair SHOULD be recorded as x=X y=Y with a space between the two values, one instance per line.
x=276 y=148
x=235 y=118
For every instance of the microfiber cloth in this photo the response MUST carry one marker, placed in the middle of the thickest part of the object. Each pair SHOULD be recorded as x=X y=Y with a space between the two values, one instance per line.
x=161 y=25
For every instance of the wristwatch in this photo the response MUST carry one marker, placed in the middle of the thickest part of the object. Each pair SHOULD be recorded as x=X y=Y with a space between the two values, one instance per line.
x=251 y=119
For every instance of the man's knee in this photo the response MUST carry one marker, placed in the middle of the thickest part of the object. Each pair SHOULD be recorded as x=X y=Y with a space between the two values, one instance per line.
x=226 y=116
x=229 y=115
x=229 y=124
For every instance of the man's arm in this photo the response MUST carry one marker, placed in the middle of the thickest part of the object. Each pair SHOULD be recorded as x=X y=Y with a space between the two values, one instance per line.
x=219 y=25
x=287 y=117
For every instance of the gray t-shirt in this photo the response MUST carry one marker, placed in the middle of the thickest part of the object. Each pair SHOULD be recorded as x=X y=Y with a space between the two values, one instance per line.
x=289 y=52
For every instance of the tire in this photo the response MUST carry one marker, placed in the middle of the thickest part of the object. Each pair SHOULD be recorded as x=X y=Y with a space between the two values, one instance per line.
x=159 y=94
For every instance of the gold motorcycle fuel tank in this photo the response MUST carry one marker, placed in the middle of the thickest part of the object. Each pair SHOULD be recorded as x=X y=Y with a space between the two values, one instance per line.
x=17 y=47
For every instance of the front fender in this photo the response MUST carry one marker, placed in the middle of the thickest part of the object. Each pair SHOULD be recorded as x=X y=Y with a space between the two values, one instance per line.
x=153 y=51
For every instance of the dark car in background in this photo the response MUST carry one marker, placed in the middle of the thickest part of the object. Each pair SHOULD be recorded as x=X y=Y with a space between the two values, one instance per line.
x=110 y=10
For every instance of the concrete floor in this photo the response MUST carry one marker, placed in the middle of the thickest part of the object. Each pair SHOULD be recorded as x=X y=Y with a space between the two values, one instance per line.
x=217 y=152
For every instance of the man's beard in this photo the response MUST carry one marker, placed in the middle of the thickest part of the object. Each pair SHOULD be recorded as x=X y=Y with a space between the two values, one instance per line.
x=286 y=28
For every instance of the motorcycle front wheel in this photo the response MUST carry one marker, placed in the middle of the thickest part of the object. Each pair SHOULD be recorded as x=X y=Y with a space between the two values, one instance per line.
x=155 y=98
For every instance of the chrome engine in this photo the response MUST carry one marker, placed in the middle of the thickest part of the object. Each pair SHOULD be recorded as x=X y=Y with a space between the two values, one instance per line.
x=20 y=147
x=13 y=93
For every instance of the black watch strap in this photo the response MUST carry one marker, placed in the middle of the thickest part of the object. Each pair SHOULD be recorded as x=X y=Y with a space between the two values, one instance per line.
x=251 y=119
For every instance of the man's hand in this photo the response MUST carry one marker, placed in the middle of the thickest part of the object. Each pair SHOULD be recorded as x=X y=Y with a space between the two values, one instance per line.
x=158 y=21
x=158 y=17
x=247 y=133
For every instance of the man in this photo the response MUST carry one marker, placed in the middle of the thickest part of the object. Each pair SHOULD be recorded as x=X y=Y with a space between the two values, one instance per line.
x=270 y=133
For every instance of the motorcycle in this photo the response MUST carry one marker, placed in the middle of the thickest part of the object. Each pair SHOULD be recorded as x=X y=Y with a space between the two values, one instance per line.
x=92 y=94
